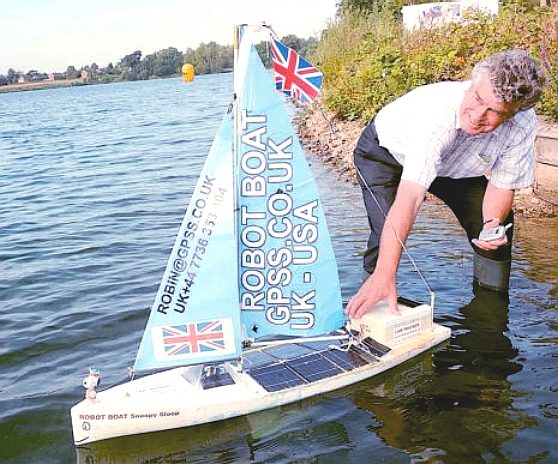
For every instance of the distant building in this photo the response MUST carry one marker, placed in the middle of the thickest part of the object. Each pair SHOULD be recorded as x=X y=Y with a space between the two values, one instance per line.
x=433 y=14
x=56 y=76
x=22 y=79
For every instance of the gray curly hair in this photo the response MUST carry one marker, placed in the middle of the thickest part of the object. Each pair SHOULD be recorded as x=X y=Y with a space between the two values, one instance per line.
x=515 y=76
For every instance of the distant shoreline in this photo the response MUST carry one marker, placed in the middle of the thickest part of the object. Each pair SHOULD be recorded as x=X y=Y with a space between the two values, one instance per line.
x=46 y=84
x=43 y=85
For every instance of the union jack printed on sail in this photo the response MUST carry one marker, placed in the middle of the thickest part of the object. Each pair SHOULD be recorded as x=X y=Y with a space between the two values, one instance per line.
x=193 y=339
x=294 y=76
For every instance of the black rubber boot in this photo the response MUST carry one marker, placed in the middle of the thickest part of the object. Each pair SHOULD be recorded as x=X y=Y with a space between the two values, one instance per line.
x=491 y=274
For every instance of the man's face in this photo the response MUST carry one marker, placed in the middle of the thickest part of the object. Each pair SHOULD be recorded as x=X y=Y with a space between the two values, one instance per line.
x=480 y=111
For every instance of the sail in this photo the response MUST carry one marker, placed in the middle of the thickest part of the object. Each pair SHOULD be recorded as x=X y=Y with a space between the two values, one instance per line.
x=288 y=279
x=196 y=314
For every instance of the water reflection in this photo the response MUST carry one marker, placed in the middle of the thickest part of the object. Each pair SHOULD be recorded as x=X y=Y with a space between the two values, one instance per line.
x=542 y=265
x=460 y=391
x=293 y=432
x=221 y=442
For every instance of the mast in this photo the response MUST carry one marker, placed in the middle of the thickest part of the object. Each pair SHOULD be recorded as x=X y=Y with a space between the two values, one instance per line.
x=236 y=149
x=236 y=85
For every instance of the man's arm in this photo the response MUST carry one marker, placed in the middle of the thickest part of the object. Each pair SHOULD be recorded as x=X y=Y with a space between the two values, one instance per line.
x=381 y=284
x=496 y=206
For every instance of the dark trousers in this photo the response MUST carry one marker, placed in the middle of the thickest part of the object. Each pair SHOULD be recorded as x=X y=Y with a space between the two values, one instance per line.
x=381 y=173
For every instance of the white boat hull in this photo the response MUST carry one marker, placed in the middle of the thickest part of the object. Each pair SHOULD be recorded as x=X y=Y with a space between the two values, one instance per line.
x=170 y=399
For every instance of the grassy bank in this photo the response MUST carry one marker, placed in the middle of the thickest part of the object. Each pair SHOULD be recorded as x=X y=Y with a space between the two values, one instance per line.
x=42 y=85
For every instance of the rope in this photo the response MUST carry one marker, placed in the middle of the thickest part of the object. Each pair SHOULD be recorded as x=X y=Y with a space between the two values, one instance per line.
x=363 y=181
x=331 y=126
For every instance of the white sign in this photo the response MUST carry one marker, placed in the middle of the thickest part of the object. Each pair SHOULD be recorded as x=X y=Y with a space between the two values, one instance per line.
x=433 y=14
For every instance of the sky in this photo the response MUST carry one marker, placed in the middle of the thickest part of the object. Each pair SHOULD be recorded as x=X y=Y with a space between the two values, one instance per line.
x=50 y=35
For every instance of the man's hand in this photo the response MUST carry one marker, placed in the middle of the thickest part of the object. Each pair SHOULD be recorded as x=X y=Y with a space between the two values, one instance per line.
x=375 y=289
x=381 y=284
x=496 y=207
x=490 y=246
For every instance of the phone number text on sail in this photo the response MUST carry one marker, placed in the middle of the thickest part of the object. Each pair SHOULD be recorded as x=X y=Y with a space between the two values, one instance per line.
x=190 y=247
x=277 y=236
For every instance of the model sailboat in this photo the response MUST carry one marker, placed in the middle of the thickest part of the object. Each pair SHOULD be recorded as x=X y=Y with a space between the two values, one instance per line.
x=248 y=315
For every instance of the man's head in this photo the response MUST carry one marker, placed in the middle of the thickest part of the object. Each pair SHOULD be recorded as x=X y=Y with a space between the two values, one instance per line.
x=502 y=85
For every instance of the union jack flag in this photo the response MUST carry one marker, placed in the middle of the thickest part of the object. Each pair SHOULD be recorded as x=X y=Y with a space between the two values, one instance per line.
x=194 y=337
x=294 y=76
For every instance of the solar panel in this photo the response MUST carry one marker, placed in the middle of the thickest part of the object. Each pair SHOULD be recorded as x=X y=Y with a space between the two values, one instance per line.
x=215 y=377
x=291 y=365
x=314 y=367
x=347 y=360
x=284 y=366
x=276 y=377
x=258 y=358
x=375 y=348
x=290 y=350
x=267 y=356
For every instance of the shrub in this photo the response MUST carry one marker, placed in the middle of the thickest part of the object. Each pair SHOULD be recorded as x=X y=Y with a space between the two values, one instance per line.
x=549 y=59
x=369 y=61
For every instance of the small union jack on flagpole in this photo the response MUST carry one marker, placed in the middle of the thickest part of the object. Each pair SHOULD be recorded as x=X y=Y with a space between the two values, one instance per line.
x=294 y=76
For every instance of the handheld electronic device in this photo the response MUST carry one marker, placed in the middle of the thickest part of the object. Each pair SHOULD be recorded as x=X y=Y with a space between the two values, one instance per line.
x=496 y=233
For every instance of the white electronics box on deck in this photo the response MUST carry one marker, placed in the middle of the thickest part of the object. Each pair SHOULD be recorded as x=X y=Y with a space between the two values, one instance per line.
x=391 y=329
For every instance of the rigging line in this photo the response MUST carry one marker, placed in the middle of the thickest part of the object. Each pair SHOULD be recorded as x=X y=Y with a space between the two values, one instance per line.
x=331 y=126
x=405 y=249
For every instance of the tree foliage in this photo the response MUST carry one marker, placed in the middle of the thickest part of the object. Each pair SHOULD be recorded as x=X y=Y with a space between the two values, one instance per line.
x=131 y=60
x=12 y=76
x=167 y=62
x=210 y=58
x=369 y=60
x=72 y=72
x=207 y=58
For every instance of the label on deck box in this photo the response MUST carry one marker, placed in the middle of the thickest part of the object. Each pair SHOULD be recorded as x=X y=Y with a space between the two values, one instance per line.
x=391 y=329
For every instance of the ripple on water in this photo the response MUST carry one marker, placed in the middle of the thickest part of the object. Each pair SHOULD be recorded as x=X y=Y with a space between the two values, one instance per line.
x=93 y=192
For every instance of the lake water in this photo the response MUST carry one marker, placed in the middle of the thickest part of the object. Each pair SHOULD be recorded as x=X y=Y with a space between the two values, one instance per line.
x=94 y=183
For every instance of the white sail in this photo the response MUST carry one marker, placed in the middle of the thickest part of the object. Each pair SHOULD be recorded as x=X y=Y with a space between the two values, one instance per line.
x=288 y=273
x=195 y=316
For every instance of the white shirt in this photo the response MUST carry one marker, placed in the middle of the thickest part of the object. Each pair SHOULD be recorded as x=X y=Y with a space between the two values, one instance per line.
x=421 y=131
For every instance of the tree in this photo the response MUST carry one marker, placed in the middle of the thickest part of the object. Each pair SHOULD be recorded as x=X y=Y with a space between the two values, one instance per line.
x=146 y=68
x=207 y=58
x=264 y=51
x=208 y=54
x=131 y=60
x=12 y=76
x=365 y=7
x=294 y=42
x=72 y=73
x=167 y=62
